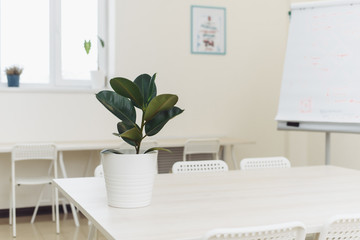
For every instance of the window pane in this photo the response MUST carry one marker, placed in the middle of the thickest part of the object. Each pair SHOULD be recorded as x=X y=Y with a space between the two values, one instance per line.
x=79 y=20
x=24 y=38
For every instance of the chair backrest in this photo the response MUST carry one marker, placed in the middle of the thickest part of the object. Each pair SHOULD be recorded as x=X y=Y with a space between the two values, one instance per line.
x=341 y=227
x=41 y=151
x=38 y=151
x=284 y=231
x=200 y=166
x=201 y=146
x=99 y=171
x=264 y=162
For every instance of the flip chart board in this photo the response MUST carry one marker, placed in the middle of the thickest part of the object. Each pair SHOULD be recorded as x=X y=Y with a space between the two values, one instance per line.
x=321 y=80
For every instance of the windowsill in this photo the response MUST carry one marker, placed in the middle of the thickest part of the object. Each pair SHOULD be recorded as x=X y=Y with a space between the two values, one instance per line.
x=48 y=89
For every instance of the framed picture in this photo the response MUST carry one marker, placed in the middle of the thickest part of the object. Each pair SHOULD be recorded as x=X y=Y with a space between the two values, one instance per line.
x=208 y=30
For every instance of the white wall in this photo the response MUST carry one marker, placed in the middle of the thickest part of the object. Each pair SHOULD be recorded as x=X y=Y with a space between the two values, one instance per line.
x=234 y=95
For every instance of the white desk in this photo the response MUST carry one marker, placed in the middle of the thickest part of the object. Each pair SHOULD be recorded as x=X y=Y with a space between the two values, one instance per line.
x=228 y=143
x=186 y=206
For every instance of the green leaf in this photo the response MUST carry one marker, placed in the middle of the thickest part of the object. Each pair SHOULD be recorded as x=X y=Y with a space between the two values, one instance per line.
x=120 y=106
x=147 y=87
x=160 y=103
x=102 y=43
x=123 y=127
x=87 y=46
x=157 y=148
x=111 y=151
x=152 y=88
x=158 y=122
x=128 y=89
x=133 y=134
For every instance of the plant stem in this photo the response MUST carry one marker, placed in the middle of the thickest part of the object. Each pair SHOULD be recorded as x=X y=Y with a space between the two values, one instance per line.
x=141 y=131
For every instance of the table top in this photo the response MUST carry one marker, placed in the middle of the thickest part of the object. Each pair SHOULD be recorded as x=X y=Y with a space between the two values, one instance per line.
x=185 y=206
x=116 y=143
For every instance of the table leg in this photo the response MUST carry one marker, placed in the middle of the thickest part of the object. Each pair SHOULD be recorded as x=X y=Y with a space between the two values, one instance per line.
x=88 y=169
x=63 y=172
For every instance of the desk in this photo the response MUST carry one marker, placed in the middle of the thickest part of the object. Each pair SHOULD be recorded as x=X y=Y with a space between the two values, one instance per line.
x=62 y=146
x=185 y=206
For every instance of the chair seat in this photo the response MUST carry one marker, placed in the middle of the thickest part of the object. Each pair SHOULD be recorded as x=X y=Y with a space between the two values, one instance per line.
x=33 y=181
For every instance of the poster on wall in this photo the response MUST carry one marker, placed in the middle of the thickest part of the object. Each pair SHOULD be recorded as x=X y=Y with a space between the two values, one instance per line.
x=208 y=28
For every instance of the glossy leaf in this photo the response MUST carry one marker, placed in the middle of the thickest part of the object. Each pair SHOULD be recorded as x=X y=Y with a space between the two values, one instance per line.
x=128 y=89
x=111 y=151
x=152 y=89
x=160 y=103
x=120 y=106
x=133 y=134
x=123 y=127
x=147 y=87
x=157 y=148
x=158 y=122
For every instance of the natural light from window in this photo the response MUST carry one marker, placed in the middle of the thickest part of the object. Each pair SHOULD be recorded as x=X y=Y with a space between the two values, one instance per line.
x=24 y=38
x=78 y=19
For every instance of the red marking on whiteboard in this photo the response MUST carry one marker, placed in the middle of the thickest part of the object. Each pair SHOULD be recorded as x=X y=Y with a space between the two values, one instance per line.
x=343 y=55
x=325 y=69
x=315 y=58
x=305 y=105
x=315 y=63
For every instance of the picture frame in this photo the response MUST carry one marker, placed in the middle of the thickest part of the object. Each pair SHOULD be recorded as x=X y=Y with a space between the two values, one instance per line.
x=208 y=30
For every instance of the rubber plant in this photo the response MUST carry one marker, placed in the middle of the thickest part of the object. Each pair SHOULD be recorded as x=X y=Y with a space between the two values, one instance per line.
x=156 y=110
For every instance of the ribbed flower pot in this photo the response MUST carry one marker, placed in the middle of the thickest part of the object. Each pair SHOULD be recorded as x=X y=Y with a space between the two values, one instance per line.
x=129 y=178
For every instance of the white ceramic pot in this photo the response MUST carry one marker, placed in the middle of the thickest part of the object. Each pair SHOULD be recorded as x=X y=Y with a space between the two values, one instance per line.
x=129 y=178
x=97 y=79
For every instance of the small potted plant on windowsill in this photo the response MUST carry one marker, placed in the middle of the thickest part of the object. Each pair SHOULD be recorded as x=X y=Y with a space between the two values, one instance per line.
x=13 y=75
x=97 y=76
x=132 y=173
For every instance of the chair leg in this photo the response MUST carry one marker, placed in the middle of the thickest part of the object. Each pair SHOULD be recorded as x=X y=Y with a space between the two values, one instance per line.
x=57 y=216
x=37 y=204
x=13 y=206
x=10 y=207
x=53 y=204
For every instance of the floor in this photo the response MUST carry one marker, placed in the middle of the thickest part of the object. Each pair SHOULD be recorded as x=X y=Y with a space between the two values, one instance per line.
x=44 y=228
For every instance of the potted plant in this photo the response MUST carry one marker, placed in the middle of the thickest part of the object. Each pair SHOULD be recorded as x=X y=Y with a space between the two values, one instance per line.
x=97 y=76
x=13 y=75
x=129 y=174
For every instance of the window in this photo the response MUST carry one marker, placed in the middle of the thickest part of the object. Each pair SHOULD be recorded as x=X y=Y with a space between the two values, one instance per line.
x=46 y=38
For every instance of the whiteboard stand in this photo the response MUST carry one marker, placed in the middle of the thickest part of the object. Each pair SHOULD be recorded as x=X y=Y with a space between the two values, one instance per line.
x=327 y=148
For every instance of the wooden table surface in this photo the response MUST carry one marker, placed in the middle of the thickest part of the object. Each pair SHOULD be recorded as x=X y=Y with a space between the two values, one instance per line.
x=186 y=206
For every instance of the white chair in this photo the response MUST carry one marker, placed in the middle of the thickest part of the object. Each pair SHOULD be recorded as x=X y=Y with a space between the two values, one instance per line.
x=264 y=162
x=341 y=227
x=284 y=231
x=200 y=166
x=201 y=146
x=47 y=154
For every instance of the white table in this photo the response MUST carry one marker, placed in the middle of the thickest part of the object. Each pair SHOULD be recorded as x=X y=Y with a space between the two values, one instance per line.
x=62 y=146
x=186 y=206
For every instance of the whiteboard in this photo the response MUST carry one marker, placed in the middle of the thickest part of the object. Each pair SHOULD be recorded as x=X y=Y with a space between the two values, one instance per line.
x=321 y=79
